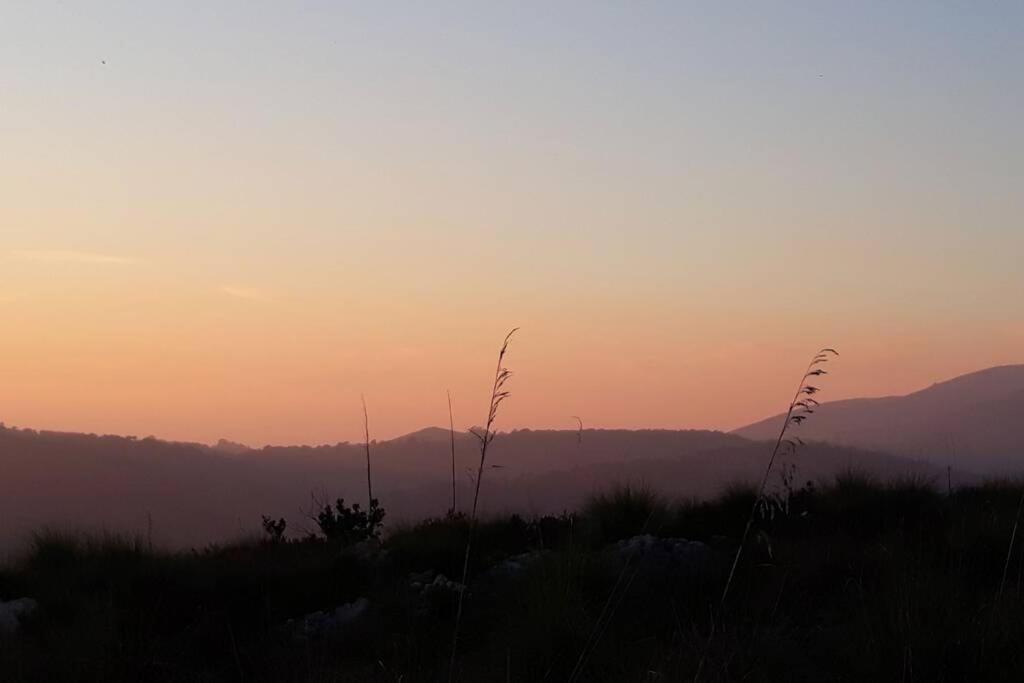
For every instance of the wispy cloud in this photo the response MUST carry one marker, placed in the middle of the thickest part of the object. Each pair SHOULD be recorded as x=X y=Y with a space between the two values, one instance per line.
x=247 y=293
x=69 y=256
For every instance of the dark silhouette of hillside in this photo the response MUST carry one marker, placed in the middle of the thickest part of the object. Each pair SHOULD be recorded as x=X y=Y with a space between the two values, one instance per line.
x=189 y=494
x=972 y=422
x=838 y=585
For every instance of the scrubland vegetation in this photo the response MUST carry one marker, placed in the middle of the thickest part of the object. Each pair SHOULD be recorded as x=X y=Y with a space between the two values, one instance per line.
x=856 y=580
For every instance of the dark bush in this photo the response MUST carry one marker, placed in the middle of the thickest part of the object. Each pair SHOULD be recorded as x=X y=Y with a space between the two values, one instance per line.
x=347 y=525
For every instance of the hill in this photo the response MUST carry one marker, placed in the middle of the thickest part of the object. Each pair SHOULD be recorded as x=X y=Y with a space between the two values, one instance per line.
x=972 y=422
x=190 y=494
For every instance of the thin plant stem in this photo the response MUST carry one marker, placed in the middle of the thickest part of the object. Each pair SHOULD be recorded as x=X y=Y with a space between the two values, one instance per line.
x=451 y=433
x=757 y=499
x=806 y=407
x=1009 y=549
x=366 y=433
x=802 y=389
x=498 y=395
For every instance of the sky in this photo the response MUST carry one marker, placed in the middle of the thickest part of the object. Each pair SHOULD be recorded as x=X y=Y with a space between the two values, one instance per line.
x=234 y=219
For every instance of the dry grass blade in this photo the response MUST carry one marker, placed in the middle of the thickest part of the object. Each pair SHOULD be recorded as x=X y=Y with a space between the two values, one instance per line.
x=366 y=434
x=1009 y=549
x=498 y=395
x=800 y=408
x=451 y=433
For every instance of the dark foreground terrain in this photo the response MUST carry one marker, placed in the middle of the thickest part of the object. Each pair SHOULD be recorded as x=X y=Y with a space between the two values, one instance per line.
x=856 y=581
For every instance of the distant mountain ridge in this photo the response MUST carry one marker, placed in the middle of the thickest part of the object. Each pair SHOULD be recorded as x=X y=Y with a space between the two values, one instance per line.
x=193 y=494
x=973 y=422
x=196 y=493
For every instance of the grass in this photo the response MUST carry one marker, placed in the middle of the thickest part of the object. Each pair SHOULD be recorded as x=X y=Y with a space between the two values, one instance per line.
x=454 y=509
x=366 y=442
x=800 y=409
x=486 y=437
x=864 y=580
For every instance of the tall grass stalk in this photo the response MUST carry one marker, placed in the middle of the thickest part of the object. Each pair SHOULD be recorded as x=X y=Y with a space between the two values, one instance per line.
x=498 y=396
x=366 y=435
x=1009 y=549
x=800 y=408
x=451 y=433
x=802 y=405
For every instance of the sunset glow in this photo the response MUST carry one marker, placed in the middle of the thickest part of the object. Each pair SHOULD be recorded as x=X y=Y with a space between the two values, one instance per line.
x=219 y=223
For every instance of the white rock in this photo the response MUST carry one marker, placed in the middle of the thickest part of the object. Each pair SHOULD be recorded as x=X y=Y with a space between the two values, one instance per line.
x=321 y=623
x=350 y=612
x=514 y=566
x=441 y=582
x=665 y=553
x=12 y=612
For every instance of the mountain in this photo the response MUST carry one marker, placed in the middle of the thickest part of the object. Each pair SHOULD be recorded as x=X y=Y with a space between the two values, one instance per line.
x=187 y=494
x=973 y=422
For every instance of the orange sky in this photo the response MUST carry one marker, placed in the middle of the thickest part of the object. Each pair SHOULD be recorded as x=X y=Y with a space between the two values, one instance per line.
x=132 y=354
x=232 y=224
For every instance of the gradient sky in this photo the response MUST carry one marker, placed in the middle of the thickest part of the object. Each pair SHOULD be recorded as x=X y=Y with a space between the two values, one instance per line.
x=229 y=219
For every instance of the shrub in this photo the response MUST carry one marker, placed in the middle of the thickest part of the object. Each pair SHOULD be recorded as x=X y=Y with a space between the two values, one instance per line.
x=348 y=525
x=274 y=529
x=623 y=512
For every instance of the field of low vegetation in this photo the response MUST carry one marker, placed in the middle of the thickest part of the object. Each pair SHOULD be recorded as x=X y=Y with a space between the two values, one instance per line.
x=847 y=580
